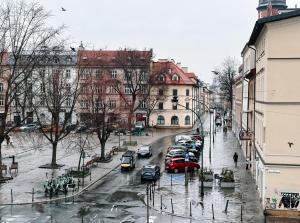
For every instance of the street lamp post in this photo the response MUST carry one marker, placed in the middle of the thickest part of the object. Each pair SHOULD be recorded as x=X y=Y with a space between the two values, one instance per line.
x=175 y=103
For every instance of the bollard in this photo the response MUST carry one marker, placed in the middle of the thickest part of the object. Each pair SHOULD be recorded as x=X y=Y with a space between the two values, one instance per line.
x=149 y=186
x=32 y=194
x=153 y=199
x=226 y=206
x=186 y=176
x=11 y=196
x=90 y=175
x=241 y=212
x=160 y=202
x=147 y=193
x=172 y=206
x=190 y=209
x=213 y=212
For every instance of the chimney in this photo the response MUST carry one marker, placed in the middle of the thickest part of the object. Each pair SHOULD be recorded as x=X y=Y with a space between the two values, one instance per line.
x=163 y=60
x=185 y=69
x=178 y=64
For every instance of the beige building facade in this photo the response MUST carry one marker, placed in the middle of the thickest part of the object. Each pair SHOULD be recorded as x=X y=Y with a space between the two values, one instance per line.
x=175 y=82
x=276 y=105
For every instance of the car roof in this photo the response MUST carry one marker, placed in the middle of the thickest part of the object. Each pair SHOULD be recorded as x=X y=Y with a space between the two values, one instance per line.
x=177 y=158
x=149 y=166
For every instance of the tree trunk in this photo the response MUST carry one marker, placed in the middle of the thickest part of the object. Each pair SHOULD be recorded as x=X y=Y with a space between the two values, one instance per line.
x=102 y=150
x=1 y=176
x=54 y=150
x=79 y=162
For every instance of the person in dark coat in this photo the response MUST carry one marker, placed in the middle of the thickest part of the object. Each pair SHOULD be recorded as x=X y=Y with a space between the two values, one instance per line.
x=235 y=158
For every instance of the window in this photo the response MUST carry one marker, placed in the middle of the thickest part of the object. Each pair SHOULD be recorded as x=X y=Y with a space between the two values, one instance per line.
x=1 y=101
x=161 y=106
x=112 y=104
x=187 y=120
x=160 y=92
x=84 y=103
x=174 y=107
x=143 y=89
x=187 y=92
x=174 y=92
x=127 y=89
x=128 y=76
x=114 y=74
x=68 y=74
x=174 y=120
x=84 y=89
x=56 y=71
x=42 y=73
x=160 y=120
x=97 y=74
x=68 y=102
x=161 y=77
x=112 y=90
x=187 y=106
x=143 y=76
x=143 y=104
x=68 y=88
x=1 y=87
x=175 y=77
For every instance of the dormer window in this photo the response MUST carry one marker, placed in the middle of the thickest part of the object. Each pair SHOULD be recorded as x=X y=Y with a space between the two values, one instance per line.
x=175 y=77
x=161 y=77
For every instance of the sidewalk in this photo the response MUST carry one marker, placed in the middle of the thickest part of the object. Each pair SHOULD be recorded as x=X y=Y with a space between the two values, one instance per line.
x=243 y=195
x=32 y=151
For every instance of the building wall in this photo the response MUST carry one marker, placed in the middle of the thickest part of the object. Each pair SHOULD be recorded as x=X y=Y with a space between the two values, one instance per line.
x=168 y=112
x=277 y=119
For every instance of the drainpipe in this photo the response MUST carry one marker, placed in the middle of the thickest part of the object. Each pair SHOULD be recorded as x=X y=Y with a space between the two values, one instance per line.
x=254 y=102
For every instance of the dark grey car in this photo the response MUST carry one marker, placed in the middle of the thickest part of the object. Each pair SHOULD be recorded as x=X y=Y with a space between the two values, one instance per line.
x=150 y=172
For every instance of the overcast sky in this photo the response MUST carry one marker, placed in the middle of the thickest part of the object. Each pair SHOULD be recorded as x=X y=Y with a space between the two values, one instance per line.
x=197 y=33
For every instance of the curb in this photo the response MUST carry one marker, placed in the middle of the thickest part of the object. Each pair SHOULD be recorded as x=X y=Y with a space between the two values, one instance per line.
x=86 y=187
x=65 y=197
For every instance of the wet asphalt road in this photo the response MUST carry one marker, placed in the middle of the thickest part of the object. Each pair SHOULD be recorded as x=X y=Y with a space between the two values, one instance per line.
x=118 y=198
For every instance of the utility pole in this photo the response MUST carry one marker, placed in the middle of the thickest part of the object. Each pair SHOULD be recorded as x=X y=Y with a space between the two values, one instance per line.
x=209 y=136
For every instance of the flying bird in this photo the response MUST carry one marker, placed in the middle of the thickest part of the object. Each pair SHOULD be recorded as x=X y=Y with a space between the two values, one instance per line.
x=63 y=9
x=73 y=49
x=290 y=144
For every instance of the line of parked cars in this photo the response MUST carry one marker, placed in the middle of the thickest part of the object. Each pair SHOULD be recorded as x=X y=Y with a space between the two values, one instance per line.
x=185 y=153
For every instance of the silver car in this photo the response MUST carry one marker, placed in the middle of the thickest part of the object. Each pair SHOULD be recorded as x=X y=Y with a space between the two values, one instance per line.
x=144 y=151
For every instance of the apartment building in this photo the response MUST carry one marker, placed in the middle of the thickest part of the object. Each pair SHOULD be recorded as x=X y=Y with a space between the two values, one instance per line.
x=175 y=81
x=274 y=107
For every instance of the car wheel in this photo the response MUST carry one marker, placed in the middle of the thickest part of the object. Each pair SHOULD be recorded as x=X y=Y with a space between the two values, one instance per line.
x=175 y=170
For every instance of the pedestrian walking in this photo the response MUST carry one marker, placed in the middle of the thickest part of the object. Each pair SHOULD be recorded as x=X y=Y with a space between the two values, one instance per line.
x=235 y=159
x=247 y=163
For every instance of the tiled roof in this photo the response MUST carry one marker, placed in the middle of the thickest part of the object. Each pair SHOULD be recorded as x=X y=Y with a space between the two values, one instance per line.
x=169 y=69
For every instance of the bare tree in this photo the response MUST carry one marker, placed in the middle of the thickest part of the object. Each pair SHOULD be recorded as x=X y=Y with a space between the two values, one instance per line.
x=98 y=97
x=134 y=88
x=56 y=87
x=23 y=31
x=225 y=77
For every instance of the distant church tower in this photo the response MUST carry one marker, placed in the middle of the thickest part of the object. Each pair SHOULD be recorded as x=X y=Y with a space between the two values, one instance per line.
x=270 y=7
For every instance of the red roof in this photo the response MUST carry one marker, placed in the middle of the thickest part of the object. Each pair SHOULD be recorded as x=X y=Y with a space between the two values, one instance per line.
x=169 y=69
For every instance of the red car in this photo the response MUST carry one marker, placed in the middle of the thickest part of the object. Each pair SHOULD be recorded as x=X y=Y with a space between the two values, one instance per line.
x=178 y=165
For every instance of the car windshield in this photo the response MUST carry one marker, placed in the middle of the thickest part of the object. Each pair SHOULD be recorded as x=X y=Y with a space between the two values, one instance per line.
x=148 y=170
x=173 y=152
x=144 y=148
x=126 y=159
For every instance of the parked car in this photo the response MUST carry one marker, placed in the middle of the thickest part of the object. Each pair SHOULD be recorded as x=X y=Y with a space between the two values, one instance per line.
x=150 y=172
x=178 y=165
x=29 y=127
x=81 y=128
x=182 y=137
x=144 y=151
x=175 y=153
x=176 y=147
x=70 y=127
x=49 y=128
